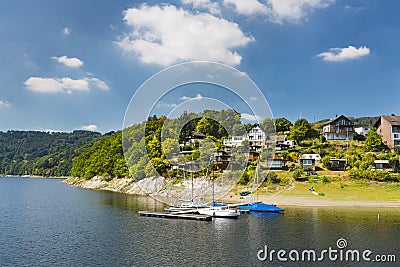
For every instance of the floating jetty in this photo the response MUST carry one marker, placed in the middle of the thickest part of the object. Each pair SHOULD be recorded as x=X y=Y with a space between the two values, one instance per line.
x=185 y=216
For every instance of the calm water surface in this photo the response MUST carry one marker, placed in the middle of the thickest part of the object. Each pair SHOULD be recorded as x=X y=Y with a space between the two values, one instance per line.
x=46 y=223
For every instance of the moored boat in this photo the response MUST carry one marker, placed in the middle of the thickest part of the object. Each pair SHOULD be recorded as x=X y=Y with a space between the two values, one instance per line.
x=220 y=211
x=260 y=207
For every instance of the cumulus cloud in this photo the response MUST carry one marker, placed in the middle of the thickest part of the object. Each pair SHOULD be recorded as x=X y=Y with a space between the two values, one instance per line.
x=248 y=7
x=66 y=31
x=71 y=62
x=4 y=104
x=198 y=96
x=56 y=85
x=166 y=35
x=62 y=85
x=212 y=7
x=344 y=54
x=250 y=117
x=278 y=10
x=98 y=83
x=90 y=127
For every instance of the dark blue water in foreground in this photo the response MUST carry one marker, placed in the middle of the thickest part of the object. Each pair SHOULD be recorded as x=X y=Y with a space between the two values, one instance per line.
x=46 y=223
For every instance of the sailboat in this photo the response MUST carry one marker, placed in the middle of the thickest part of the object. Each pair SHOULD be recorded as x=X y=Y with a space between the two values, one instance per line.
x=187 y=205
x=258 y=206
x=218 y=209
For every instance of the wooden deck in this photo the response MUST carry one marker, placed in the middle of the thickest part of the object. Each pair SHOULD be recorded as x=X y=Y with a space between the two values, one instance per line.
x=184 y=216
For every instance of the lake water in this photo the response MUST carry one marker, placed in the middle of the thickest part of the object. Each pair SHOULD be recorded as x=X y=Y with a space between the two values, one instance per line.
x=46 y=223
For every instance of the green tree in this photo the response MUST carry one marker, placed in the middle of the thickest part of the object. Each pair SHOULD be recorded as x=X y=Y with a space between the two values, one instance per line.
x=282 y=125
x=154 y=148
x=302 y=130
x=170 y=146
x=326 y=162
x=373 y=142
x=268 y=126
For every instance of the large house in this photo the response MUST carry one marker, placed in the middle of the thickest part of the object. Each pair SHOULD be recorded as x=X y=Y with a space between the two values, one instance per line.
x=256 y=138
x=338 y=128
x=389 y=128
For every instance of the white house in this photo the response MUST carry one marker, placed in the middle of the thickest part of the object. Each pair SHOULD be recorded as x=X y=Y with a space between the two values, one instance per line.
x=256 y=137
x=316 y=157
x=234 y=141
x=362 y=130
x=338 y=128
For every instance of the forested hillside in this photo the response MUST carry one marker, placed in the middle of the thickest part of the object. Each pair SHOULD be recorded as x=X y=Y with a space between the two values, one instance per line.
x=105 y=158
x=42 y=153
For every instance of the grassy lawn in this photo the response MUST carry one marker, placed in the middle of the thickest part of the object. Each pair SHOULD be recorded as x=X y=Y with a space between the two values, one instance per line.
x=347 y=190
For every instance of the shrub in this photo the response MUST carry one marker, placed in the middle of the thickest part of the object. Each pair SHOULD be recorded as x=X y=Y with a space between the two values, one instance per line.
x=273 y=177
x=326 y=162
x=284 y=181
x=297 y=173
x=325 y=180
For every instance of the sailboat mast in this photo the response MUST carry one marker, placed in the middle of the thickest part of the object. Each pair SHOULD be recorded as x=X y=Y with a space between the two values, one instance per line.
x=213 y=181
x=257 y=182
x=192 y=183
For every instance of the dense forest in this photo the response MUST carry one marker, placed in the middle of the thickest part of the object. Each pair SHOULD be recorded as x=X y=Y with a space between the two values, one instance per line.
x=42 y=153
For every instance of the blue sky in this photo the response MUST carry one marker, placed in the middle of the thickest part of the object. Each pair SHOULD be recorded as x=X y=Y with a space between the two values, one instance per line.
x=68 y=65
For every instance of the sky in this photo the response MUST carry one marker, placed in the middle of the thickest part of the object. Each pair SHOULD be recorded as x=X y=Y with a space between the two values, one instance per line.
x=67 y=65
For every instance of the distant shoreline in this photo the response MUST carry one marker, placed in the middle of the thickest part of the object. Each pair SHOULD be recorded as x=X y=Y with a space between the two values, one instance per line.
x=33 y=177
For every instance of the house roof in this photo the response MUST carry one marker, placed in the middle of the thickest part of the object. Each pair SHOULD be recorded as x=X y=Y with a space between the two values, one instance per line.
x=198 y=134
x=332 y=121
x=393 y=120
x=309 y=156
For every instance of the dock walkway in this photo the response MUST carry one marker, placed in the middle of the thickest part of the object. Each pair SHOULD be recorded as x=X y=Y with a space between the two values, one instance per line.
x=185 y=216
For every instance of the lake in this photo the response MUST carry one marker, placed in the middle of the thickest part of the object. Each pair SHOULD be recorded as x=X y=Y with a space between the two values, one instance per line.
x=46 y=223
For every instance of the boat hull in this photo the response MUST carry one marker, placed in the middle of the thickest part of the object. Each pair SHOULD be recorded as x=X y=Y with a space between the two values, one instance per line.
x=222 y=213
x=261 y=207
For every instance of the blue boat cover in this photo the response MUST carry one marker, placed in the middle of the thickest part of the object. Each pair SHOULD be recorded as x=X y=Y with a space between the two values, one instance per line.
x=261 y=207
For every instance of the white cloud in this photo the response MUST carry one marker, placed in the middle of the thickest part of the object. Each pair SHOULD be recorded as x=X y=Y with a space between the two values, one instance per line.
x=198 y=96
x=66 y=31
x=96 y=82
x=4 y=104
x=90 y=127
x=71 y=62
x=294 y=10
x=248 y=7
x=278 y=10
x=343 y=54
x=161 y=104
x=56 y=85
x=212 y=7
x=63 y=85
x=166 y=35
x=250 y=117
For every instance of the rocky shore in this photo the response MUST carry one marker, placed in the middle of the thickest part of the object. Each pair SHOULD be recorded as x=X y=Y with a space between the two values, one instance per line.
x=119 y=185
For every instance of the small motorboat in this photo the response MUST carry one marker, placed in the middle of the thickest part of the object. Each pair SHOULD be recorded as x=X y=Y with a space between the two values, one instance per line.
x=220 y=211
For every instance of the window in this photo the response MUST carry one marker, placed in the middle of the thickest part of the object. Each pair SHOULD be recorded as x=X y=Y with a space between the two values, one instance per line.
x=396 y=136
